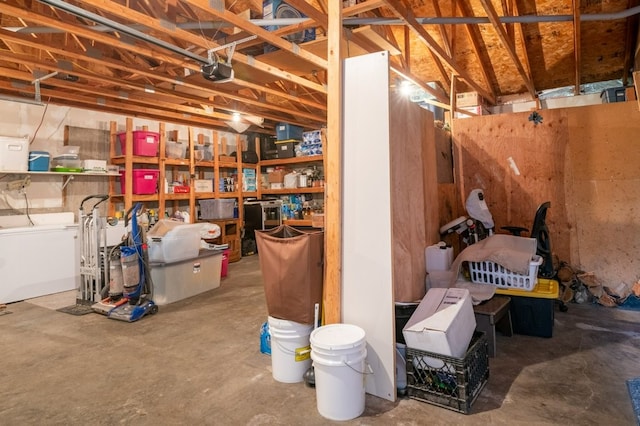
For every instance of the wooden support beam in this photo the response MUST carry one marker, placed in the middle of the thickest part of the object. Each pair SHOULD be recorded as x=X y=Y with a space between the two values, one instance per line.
x=636 y=83
x=443 y=30
x=508 y=45
x=128 y=14
x=474 y=35
x=407 y=48
x=332 y=308
x=576 y=44
x=632 y=44
x=179 y=96
x=523 y=41
x=507 y=10
x=310 y=11
x=265 y=35
x=407 y=16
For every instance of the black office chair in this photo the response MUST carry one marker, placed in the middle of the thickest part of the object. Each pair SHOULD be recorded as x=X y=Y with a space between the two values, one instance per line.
x=541 y=233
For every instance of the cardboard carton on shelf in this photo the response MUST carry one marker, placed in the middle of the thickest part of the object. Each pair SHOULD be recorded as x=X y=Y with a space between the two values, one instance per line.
x=277 y=176
x=469 y=99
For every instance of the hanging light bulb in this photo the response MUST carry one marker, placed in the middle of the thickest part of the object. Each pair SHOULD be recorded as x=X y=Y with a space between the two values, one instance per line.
x=236 y=117
x=406 y=88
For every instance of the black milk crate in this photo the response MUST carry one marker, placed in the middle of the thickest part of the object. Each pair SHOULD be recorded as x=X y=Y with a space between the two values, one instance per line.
x=448 y=382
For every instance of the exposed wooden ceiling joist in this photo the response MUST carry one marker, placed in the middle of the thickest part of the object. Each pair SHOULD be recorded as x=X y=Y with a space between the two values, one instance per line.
x=576 y=44
x=480 y=54
x=403 y=13
x=508 y=45
x=128 y=14
x=290 y=84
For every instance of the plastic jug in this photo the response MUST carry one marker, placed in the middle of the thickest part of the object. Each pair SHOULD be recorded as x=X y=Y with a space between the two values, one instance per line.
x=438 y=257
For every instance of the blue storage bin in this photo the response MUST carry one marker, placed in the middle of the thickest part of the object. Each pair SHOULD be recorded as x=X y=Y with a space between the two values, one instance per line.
x=39 y=161
x=286 y=132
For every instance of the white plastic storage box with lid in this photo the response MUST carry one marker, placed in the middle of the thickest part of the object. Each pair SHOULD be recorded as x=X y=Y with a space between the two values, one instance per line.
x=172 y=241
x=14 y=154
x=176 y=149
x=220 y=208
x=177 y=280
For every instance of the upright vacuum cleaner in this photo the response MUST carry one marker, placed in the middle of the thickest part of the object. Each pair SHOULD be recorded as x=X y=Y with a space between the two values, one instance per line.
x=137 y=286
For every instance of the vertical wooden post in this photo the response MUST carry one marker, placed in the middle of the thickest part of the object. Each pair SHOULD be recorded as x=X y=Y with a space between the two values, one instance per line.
x=333 y=170
x=113 y=140
x=192 y=175
x=128 y=166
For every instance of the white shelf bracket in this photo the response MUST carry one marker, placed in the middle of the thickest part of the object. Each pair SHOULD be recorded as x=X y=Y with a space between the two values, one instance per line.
x=68 y=178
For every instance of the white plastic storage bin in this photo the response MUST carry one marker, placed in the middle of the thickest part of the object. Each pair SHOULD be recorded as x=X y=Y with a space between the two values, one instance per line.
x=175 y=281
x=172 y=241
x=14 y=154
x=491 y=273
x=175 y=149
x=217 y=208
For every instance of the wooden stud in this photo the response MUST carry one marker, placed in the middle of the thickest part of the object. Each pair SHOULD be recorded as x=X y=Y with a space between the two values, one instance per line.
x=333 y=170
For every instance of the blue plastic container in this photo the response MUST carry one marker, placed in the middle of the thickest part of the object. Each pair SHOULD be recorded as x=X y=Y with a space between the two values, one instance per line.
x=288 y=132
x=39 y=161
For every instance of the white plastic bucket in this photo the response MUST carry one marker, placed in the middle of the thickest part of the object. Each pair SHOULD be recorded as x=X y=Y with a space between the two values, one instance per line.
x=290 y=351
x=338 y=352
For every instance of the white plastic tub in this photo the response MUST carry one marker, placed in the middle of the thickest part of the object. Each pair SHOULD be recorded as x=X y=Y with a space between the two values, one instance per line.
x=172 y=241
x=14 y=154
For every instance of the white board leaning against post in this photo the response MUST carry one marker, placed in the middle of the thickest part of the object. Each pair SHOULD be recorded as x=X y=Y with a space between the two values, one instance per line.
x=367 y=282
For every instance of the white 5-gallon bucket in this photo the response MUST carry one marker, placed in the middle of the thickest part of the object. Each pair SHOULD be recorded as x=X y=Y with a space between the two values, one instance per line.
x=290 y=352
x=338 y=352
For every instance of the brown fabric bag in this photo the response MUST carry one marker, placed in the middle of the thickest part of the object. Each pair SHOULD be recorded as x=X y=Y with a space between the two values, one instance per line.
x=291 y=261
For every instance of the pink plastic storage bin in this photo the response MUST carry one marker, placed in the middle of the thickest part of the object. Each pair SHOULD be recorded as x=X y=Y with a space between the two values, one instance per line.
x=145 y=181
x=144 y=143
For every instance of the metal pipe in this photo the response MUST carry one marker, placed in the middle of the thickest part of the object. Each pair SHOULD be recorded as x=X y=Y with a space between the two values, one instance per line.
x=77 y=11
x=439 y=20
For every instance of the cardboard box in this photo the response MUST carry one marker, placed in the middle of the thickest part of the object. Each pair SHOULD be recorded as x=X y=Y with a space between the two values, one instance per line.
x=203 y=185
x=277 y=176
x=468 y=99
x=443 y=323
x=94 y=165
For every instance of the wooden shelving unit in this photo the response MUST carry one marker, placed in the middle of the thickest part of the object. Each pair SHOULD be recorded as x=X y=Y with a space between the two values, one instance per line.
x=215 y=169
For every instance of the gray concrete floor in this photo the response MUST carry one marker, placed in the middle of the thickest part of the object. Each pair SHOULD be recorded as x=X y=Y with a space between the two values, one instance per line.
x=198 y=362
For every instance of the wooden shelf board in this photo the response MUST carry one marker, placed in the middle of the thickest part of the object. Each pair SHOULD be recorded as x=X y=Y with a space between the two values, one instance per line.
x=174 y=197
x=136 y=159
x=293 y=160
x=312 y=190
x=176 y=162
x=25 y=172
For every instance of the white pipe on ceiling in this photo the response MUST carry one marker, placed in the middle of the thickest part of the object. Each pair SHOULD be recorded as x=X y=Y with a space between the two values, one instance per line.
x=436 y=20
